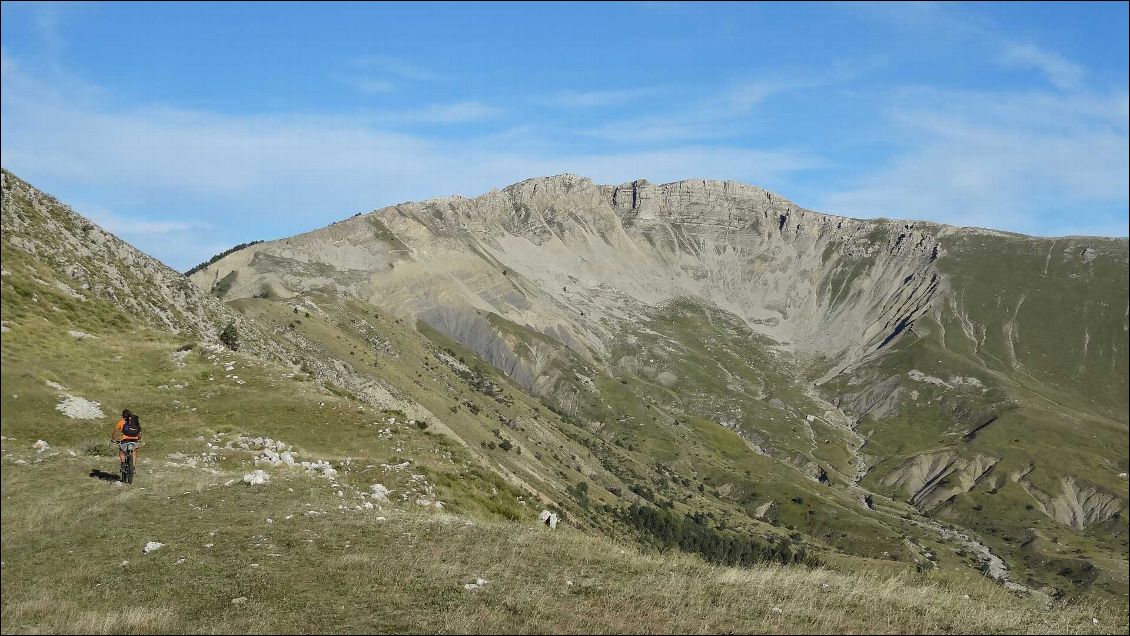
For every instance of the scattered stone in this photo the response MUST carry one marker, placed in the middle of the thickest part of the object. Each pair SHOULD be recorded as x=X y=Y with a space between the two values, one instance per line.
x=239 y=600
x=476 y=585
x=80 y=335
x=151 y=546
x=776 y=610
x=380 y=493
x=40 y=446
x=548 y=518
x=257 y=478
x=78 y=408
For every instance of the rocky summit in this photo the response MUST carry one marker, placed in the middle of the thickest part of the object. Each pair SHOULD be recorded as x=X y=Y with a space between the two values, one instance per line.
x=623 y=383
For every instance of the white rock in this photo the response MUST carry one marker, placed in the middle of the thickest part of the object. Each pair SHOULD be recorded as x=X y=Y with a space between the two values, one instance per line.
x=239 y=601
x=548 y=518
x=257 y=478
x=151 y=546
x=776 y=610
x=380 y=493
x=40 y=446
x=78 y=408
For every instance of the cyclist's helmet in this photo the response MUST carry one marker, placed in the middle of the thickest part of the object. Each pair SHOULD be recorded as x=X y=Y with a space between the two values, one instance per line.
x=126 y=414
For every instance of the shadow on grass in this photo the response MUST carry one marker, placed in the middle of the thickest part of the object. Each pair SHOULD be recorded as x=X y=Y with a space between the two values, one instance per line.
x=104 y=476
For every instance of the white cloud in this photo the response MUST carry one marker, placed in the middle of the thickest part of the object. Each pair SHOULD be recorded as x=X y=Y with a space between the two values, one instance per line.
x=597 y=98
x=124 y=226
x=453 y=113
x=1061 y=72
x=1002 y=160
x=367 y=85
x=728 y=113
x=394 y=66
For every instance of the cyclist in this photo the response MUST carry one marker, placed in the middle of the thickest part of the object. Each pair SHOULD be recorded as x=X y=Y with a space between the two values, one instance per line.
x=128 y=430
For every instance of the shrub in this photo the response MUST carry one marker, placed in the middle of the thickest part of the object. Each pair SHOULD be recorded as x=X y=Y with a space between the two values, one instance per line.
x=230 y=337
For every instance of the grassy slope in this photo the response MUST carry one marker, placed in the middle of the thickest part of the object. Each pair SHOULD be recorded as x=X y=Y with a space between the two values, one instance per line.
x=355 y=573
x=1049 y=345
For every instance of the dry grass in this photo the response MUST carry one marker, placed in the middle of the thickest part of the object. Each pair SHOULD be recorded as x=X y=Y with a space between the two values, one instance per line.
x=350 y=572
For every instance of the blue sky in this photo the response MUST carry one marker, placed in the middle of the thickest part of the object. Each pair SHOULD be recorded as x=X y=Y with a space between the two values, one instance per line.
x=187 y=128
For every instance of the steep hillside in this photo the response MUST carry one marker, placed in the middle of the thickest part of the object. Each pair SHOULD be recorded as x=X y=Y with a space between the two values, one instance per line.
x=952 y=369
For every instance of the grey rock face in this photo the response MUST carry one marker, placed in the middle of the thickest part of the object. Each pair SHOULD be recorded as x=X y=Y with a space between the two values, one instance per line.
x=576 y=261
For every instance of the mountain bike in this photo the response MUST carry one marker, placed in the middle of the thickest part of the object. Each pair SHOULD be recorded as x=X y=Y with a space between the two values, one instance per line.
x=126 y=448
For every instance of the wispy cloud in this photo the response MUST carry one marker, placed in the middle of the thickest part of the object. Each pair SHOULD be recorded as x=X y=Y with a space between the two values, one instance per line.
x=724 y=114
x=395 y=67
x=999 y=159
x=378 y=74
x=135 y=227
x=366 y=85
x=1061 y=72
x=453 y=113
x=597 y=98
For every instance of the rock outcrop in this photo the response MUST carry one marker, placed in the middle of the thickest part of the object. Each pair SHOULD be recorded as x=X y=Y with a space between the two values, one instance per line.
x=574 y=261
x=1076 y=505
x=931 y=479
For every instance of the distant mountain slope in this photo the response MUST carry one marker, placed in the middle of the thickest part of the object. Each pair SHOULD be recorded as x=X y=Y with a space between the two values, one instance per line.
x=103 y=265
x=957 y=369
